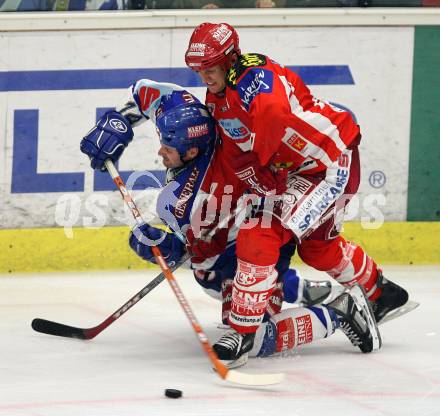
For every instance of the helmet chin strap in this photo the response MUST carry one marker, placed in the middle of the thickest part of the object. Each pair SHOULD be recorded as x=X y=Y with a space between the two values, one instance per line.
x=231 y=61
x=181 y=159
x=226 y=67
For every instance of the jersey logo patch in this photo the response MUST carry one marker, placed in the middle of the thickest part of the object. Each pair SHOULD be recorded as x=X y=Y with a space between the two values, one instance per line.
x=295 y=141
x=246 y=61
x=186 y=194
x=234 y=128
x=256 y=81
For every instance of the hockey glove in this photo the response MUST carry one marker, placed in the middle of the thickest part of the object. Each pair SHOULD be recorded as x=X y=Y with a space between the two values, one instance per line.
x=107 y=140
x=143 y=237
x=259 y=179
x=203 y=248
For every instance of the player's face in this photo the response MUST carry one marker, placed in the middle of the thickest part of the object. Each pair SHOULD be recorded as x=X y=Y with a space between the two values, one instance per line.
x=170 y=156
x=214 y=78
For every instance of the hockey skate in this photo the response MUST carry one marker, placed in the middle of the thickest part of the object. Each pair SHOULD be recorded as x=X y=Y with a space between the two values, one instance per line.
x=316 y=292
x=391 y=301
x=232 y=348
x=356 y=319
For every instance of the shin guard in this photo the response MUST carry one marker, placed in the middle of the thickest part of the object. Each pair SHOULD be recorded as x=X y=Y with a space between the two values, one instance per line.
x=292 y=328
x=251 y=291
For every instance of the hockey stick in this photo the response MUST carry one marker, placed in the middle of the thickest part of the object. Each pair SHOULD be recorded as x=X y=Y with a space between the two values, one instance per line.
x=49 y=327
x=223 y=371
x=54 y=328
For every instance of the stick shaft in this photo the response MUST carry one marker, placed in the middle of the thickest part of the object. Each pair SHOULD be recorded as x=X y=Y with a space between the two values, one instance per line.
x=222 y=370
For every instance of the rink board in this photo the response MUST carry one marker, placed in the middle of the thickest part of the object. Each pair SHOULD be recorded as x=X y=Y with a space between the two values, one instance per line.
x=41 y=250
x=55 y=84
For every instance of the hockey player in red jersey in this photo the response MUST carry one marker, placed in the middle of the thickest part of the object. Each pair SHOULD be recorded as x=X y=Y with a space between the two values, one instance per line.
x=297 y=151
x=196 y=168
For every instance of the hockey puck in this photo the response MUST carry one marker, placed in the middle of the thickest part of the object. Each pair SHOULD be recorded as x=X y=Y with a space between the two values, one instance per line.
x=173 y=394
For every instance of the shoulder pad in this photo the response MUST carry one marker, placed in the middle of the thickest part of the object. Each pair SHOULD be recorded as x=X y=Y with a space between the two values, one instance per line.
x=244 y=62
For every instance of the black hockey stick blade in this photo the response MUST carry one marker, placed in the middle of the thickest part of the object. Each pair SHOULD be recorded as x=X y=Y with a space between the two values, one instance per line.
x=61 y=330
x=54 y=328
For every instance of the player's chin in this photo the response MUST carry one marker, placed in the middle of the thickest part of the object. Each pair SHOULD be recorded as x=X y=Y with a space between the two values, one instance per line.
x=170 y=165
x=213 y=89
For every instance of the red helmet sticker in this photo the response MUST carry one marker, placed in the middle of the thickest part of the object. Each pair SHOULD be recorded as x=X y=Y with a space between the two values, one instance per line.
x=146 y=96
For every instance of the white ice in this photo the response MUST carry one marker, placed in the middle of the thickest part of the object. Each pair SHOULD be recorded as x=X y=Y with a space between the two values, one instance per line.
x=125 y=370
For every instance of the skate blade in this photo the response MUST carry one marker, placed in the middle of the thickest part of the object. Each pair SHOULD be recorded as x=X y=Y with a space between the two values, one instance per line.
x=360 y=296
x=396 y=313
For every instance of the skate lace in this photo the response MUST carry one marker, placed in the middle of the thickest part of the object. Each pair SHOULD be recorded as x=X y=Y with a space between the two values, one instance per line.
x=350 y=333
x=230 y=340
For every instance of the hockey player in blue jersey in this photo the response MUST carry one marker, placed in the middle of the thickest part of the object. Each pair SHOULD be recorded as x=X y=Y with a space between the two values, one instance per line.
x=191 y=152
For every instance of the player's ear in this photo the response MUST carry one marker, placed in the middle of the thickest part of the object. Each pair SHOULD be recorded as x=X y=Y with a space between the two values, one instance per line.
x=191 y=153
x=234 y=58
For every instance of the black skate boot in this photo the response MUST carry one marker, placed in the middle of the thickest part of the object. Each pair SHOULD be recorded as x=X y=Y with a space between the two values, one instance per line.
x=392 y=297
x=232 y=348
x=356 y=319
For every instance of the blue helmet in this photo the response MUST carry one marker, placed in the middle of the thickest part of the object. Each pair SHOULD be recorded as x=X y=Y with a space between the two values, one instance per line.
x=185 y=126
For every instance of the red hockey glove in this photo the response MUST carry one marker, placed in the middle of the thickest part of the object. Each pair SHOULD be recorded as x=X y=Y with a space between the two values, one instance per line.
x=203 y=248
x=259 y=178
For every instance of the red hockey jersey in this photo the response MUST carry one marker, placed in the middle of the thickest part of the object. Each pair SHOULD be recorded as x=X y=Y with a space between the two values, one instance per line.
x=268 y=109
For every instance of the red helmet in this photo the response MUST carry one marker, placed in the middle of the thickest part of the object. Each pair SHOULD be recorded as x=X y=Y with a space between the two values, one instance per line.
x=212 y=44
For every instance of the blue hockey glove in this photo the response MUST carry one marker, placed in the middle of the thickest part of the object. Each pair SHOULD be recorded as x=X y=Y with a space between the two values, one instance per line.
x=107 y=140
x=143 y=237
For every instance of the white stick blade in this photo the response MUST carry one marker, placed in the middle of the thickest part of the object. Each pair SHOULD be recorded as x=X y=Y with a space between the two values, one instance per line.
x=254 y=379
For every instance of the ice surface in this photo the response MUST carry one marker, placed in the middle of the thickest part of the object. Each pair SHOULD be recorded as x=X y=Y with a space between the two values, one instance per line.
x=125 y=370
